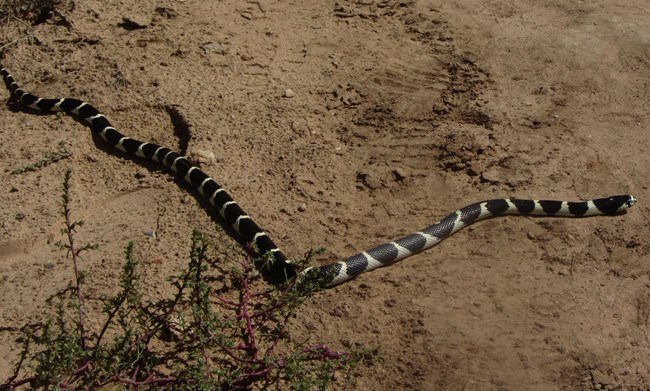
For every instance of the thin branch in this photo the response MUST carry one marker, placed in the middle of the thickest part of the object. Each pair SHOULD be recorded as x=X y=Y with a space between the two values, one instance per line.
x=15 y=41
x=74 y=253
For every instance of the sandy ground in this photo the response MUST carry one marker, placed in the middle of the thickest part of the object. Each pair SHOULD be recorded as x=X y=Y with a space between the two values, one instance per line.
x=402 y=112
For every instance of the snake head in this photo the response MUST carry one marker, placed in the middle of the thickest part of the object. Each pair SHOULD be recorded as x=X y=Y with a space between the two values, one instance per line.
x=630 y=202
x=615 y=204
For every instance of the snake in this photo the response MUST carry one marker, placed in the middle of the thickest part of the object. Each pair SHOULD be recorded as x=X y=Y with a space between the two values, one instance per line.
x=276 y=266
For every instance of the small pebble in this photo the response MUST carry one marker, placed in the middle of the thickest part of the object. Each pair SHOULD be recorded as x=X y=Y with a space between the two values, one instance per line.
x=289 y=94
x=150 y=233
x=333 y=105
x=214 y=47
x=399 y=174
x=133 y=23
x=204 y=156
x=302 y=207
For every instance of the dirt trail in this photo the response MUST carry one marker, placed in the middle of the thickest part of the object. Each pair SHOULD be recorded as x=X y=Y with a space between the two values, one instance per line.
x=399 y=112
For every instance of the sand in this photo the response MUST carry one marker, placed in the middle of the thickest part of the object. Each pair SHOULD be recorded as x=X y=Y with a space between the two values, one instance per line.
x=343 y=125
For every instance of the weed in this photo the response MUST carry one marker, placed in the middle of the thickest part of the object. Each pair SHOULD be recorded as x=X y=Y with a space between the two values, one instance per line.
x=49 y=158
x=223 y=331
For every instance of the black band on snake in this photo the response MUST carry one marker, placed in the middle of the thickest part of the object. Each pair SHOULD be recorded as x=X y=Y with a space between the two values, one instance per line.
x=279 y=268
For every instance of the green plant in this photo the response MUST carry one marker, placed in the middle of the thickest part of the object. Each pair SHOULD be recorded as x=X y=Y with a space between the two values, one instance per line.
x=218 y=331
x=49 y=158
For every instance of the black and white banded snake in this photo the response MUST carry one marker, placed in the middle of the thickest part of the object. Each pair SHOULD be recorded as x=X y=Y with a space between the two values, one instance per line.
x=280 y=268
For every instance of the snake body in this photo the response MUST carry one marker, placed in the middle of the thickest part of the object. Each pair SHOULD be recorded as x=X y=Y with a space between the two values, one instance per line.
x=278 y=267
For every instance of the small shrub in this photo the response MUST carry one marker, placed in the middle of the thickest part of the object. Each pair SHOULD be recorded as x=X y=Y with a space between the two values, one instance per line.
x=201 y=338
x=49 y=158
